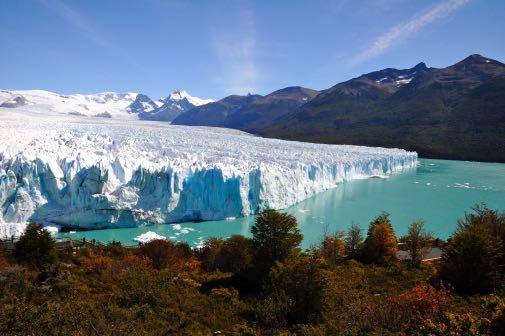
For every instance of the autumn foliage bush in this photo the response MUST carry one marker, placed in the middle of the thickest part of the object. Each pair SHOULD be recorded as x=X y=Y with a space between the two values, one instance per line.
x=3 y=259
x=96 y=262
x=167 y=288
x=167 y=254
x=380 y=245
x=229 y=255
x=427 y=300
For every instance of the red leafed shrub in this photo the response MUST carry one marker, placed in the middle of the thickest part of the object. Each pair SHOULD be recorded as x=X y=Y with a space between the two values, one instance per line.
x=426 y=299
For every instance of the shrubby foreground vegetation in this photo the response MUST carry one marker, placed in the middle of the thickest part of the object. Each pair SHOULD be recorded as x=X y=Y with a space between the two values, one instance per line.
x=349 y=284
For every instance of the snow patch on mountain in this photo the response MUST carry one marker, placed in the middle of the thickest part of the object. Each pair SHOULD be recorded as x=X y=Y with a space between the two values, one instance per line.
x=397 y=80
x=88 y=173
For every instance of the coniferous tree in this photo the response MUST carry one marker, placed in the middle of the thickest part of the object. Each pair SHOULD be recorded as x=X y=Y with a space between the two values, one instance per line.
x=275 y=238
x=35 y=247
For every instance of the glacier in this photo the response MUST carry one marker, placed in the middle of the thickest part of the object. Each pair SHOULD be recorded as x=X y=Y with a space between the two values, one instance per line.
x=88 y=173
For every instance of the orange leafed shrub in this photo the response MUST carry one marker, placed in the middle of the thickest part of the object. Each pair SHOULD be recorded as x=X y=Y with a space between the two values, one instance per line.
x=96 y=262
x=192 y=265
x=128 y=262
x=3 y=261
x=426 y=299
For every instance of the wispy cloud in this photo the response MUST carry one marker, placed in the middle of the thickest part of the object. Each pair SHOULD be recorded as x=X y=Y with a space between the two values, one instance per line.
x=78 y=21
x=404 y=30
x=86 y=29
x=236 y=50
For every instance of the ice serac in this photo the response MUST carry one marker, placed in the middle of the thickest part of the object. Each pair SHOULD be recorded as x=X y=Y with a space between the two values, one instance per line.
x=86 y=174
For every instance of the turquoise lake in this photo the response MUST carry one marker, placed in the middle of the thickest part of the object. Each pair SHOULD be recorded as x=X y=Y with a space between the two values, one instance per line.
x=437 y=191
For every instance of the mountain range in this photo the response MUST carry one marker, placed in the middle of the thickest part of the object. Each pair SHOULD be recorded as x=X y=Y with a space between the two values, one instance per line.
x=170 y=108
x=104 y=105
x=457 y=112
x=247 y=112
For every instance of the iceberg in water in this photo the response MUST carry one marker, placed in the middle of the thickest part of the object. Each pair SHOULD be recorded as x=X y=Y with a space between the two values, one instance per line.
x=149 y=236
x=77 y=173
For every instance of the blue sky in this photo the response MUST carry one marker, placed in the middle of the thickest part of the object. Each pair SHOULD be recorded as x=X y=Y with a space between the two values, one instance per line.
x=215 y=48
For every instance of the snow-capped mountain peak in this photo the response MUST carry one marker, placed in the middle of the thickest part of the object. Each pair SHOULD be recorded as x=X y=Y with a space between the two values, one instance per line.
x=179 y=95
x=142 y=103
x=170 y=108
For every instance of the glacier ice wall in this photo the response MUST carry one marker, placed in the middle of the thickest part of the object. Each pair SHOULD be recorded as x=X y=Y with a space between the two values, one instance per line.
x=84 y=174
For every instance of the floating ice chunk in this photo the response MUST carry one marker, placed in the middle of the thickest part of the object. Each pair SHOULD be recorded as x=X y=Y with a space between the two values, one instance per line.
x=379 y=176
x=148 y=236
x=464 y=185
x=176 y=226
x=200 y=242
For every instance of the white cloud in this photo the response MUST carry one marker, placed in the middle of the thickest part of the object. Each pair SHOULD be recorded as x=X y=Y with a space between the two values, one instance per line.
x=404 y=30
x=236 y=49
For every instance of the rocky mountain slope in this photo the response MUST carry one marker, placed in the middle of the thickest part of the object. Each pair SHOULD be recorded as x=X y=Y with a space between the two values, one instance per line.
x=247 y=112
x=456 y=112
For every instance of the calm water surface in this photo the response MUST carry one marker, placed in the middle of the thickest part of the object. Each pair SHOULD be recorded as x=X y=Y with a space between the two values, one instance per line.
x=437 y=191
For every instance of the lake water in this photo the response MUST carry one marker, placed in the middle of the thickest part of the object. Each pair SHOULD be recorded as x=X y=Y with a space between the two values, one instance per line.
x=437 y=191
